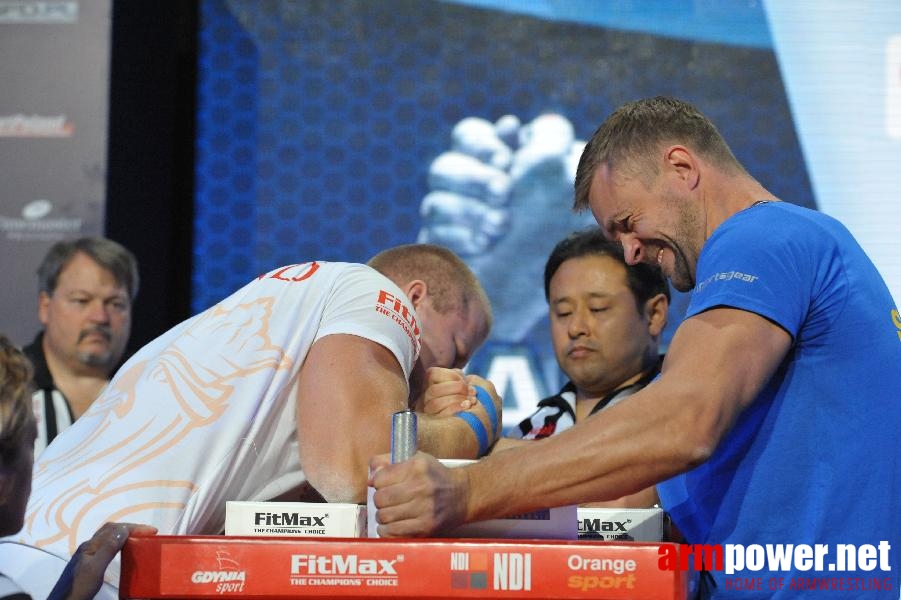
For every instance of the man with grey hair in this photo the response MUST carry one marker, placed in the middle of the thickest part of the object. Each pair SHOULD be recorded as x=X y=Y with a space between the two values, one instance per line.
x=85 y=291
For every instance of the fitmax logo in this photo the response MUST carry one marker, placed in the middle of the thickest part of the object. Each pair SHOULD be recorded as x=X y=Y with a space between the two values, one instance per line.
x=397 y=306
x=267 y=518
x=337 y=564
x=589 y=525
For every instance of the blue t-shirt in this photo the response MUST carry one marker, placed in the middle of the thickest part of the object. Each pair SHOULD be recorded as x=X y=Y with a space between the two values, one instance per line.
x=815 y=458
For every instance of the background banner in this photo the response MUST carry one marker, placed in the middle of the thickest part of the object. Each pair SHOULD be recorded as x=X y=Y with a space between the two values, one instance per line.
x=331 y=129
x=326 y=131
x=53 y=135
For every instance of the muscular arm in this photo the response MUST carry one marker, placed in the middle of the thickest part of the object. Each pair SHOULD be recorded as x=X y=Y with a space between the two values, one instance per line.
x=716 y=365
x=645 y=498
x=348 y=388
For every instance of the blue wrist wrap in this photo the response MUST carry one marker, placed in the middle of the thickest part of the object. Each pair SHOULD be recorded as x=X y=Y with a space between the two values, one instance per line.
x=485 y=400
x=478 y=428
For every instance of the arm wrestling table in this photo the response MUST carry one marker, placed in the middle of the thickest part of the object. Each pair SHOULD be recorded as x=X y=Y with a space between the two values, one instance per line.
x=426 y=569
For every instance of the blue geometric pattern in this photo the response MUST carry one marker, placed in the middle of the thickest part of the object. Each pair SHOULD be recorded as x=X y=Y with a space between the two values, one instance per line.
x=318 y=120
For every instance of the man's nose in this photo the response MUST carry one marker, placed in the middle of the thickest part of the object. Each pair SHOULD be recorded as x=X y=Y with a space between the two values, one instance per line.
x=578 y=323
x=99 y=311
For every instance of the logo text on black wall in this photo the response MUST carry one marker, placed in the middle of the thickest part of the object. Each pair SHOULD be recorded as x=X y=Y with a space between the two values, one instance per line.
x=63 y=11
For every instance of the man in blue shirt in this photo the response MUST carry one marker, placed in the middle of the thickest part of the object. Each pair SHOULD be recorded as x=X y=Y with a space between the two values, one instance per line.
x=776 y=416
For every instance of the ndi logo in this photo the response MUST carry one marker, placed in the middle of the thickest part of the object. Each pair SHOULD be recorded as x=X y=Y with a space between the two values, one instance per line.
x=893 y=87
x=512 y=571
x=469 y=570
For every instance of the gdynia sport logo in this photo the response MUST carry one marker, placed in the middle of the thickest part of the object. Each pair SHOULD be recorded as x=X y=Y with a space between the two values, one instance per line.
x=811 y=567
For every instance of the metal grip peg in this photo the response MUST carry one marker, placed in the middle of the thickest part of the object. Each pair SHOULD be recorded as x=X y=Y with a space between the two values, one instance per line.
x=403 y=435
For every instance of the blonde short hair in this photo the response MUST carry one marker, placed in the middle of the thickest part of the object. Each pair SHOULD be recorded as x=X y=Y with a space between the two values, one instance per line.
x=628 y=141
x=451 y=283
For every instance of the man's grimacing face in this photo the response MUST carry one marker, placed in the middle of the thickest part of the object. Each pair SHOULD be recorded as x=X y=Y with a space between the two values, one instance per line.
x=654 y=224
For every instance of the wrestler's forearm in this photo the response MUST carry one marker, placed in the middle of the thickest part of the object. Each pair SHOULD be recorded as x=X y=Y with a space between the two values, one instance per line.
x=447 y=437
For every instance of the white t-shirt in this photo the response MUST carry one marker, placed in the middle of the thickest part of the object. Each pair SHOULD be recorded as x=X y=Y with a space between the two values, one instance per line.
x=9 y=588
x=206 y=412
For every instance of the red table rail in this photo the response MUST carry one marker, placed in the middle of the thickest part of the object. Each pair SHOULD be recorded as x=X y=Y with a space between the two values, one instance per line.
x=429 y=569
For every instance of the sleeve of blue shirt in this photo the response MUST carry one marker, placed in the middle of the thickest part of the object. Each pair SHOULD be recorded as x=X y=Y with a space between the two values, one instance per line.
x=764 y=261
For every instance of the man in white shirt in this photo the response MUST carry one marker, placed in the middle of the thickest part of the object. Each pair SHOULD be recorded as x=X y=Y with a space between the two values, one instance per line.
x=282 y=390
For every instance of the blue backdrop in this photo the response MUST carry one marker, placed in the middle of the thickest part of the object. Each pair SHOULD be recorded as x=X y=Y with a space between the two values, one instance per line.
x=319 y=124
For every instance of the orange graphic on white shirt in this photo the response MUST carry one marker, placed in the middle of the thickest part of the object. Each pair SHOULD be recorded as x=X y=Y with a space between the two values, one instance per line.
x=146 y=411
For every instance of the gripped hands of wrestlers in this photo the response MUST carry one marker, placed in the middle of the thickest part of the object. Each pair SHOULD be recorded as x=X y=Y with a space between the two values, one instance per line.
x=447 y=392
x=418 y=497
x=494 y=409
x=83 y=575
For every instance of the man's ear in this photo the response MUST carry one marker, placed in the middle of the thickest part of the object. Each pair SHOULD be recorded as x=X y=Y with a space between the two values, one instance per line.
x=684 y=165
x=416 y=291
x=656 y=309
x=43 y=304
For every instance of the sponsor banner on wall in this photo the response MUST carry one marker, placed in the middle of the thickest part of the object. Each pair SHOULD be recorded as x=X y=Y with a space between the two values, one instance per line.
x=53 y=131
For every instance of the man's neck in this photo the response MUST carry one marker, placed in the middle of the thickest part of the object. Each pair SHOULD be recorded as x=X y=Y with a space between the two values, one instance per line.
x=730 y=195
x=80 y=384
x=80 y=391
x=586 y=401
